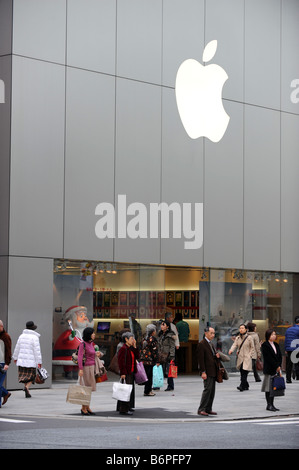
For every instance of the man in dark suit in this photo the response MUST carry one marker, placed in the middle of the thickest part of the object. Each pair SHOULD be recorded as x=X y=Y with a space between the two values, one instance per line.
x=207 y=366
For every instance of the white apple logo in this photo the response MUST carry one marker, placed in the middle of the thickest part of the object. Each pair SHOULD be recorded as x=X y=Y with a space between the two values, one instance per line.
x=198 y=90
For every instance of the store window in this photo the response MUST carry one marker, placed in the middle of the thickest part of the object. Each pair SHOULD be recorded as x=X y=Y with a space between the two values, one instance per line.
x=122 y=296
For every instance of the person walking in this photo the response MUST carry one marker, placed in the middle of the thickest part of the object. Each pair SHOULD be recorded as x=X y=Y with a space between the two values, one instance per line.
x=149 y=357
x=257 y=349
x=27 y=356
x=5 y=360
x=127 y=357
x=290 y=344
x=207 y=366
x=173 y=328
x=86 y=364
x=271 y=365
x=166 y=344
x=245 y=351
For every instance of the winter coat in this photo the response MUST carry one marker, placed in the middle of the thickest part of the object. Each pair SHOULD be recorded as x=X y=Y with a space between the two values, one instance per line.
x=127 y=357
x=166 y=344
x=149 y=352
x=271 y=360
x=291 y=334
x=246 y=353
x=256 y=344
x=27 y=352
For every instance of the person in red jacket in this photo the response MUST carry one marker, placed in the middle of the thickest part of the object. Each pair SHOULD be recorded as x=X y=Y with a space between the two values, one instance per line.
x=127 y=356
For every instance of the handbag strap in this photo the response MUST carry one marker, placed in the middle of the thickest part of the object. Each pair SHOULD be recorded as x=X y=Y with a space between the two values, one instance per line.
x=243 y=342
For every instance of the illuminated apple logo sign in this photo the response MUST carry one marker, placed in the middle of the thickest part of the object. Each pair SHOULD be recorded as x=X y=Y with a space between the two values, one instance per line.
x=198 y=90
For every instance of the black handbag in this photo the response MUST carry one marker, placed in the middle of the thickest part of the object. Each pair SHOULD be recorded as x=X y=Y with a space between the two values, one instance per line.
x=277 y=386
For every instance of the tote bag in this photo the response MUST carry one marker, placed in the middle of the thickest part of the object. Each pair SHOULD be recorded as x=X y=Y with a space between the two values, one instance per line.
x=79 y=394
x=121 y=391
x=277 y=386
x=158 y=377
x=140 y=376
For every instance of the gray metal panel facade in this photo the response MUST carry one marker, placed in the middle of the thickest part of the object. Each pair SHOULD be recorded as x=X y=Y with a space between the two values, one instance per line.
x=121 y=134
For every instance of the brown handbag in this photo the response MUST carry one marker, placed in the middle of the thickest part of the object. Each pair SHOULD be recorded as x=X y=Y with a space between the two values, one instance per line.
x=113 y=366
x=220 y=372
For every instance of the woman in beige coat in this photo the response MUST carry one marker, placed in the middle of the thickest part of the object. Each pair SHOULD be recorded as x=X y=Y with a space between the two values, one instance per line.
x=245 y=351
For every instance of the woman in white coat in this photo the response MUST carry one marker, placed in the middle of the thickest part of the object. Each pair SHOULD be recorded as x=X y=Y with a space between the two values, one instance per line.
x=27 y=356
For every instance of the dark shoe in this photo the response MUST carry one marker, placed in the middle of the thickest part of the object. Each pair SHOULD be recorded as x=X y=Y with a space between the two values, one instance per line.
x=270 y=408
x=6 y=397
x=258 y=379
x=212 y=413
x=241 y=389
x=27 y=394
x=202 y=413
x=168 y=389
x=90 y=412
x=84 y=414
x=126 y=413
x=288 y=381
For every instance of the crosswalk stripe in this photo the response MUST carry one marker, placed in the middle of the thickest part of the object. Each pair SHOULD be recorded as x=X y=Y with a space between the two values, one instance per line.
x=7 y=420
x=264 y=421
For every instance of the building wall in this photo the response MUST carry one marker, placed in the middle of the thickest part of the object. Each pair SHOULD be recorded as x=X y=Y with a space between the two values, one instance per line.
x=90 y=89
x=94 y=115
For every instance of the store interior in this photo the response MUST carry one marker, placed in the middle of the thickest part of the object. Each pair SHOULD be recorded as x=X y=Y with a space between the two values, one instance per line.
x=121 y=296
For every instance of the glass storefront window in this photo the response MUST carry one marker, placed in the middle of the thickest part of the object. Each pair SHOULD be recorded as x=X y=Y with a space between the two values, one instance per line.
x=120 y=296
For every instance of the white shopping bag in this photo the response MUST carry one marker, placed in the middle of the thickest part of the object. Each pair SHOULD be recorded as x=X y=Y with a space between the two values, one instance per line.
x=121 y=391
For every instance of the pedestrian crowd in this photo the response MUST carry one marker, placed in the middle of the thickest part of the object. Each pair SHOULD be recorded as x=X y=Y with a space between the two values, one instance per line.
x=159 y=350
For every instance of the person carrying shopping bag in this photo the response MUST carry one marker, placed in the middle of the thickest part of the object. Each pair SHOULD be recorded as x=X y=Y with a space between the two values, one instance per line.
x=86 y=363
x=27 y=356
x=127 y=357
x=272 y=360
x=166 y=344
x=149 y=357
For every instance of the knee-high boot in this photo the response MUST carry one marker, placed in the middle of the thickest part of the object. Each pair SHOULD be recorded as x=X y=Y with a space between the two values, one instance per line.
x=272 y=404
x=269 y=406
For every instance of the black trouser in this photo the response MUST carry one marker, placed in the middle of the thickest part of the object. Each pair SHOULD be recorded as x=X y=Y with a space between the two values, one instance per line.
x=254 y=370
x=244 y=383
x=289 y=367
x=149 y=384
x=208 y=394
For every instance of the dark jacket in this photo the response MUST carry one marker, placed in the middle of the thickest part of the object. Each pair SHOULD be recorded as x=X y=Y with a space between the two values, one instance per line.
x=166 y=346
x=149 y=352
x=271 y=360
x=206 y=359
x=127 y=360
x=291 y=333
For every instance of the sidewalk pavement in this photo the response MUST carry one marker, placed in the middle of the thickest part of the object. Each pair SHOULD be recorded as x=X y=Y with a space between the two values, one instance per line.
x=178 y=406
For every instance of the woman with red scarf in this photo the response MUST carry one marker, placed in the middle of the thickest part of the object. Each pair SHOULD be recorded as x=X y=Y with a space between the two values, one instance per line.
x=127 y=356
